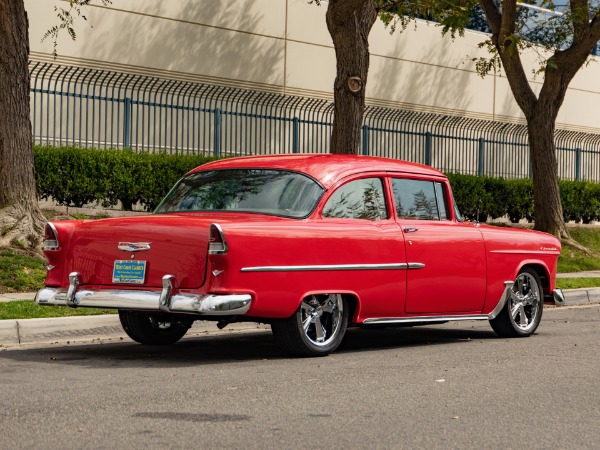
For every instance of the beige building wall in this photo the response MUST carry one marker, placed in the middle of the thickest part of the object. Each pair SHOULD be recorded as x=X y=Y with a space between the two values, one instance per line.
x=284 y=46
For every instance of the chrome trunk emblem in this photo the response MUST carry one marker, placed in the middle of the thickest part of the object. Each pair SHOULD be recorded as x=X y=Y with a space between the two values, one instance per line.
x=134 y=246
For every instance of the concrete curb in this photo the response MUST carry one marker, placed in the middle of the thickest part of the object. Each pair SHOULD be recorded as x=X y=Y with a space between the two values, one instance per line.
x=63 y=329
x=583 y=296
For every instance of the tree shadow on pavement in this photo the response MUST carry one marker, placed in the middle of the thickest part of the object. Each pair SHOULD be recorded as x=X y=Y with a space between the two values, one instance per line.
x=236 y=347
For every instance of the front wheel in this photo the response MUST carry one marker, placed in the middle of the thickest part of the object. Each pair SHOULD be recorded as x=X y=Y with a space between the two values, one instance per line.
x=316 y=328
x=153 y=329
x=522 y=313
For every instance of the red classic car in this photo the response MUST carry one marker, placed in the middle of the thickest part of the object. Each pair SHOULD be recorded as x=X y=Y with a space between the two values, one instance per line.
x=310 y=244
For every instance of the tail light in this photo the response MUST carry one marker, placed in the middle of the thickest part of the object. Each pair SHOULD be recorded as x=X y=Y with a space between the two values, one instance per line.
x=217 y=245
x=50 y=237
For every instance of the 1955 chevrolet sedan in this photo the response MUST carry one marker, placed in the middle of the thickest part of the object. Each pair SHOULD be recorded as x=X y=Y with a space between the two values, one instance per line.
x=310 y=244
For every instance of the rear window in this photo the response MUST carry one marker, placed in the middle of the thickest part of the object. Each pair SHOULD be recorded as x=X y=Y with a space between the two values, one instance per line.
x=261 y=191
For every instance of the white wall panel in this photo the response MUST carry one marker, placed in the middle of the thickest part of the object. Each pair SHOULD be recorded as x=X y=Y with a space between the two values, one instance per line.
x=246 y=41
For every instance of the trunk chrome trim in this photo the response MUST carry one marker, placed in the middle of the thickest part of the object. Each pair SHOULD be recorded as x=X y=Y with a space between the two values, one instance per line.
x=164 y=300
x=394 y=266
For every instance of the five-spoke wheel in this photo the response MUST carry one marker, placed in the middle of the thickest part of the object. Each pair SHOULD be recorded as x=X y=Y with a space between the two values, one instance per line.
x=316 y=329
x=523 y=310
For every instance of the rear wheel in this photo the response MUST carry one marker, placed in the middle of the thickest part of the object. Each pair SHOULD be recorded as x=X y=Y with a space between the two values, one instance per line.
x=316 y=328
x=522 y=313
x=153 y=329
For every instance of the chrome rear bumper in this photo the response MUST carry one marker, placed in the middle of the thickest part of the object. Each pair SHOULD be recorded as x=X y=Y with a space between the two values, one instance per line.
x=164 y=300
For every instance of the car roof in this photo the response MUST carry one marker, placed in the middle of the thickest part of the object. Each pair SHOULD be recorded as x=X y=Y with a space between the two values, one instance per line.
x=325 y=168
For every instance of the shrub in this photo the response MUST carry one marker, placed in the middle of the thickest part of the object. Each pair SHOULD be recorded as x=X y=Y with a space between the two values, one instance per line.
x=75 y=176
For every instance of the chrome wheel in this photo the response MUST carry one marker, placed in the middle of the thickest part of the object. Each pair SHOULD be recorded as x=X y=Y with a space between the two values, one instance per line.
x=321 y=318
x=316 y=328
x=522 y=313
x=524 y=302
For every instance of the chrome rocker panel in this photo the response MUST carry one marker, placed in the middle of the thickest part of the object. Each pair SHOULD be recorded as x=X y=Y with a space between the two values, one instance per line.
x=558 y=296
x=165 y=301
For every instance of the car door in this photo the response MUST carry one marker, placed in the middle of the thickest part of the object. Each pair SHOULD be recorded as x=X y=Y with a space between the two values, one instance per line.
x=363 y=233
x=446 y=258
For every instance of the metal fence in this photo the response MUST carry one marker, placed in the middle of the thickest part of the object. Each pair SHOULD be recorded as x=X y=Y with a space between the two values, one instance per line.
x=102 y=109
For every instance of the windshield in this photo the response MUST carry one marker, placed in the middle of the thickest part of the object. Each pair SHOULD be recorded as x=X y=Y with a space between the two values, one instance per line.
x=276 y=192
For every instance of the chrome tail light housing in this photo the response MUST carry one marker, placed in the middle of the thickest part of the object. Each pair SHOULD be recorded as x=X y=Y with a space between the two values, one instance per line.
x=50 y=237
x=217 y=244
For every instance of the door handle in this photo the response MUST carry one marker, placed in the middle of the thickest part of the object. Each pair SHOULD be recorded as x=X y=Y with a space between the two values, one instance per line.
x=410 y=230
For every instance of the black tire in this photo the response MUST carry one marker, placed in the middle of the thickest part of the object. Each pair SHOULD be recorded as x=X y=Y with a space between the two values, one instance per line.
x=153 y=329
x=299 y=335
x=522 y=313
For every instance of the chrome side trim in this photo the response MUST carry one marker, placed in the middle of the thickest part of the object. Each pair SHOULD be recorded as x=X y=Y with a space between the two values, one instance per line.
x=505 y=296
x=399 y=266
x=527 y=252
x=212 y=305
x=421 y=319
x=412 y=266
x=559 y=297
x=433 y=319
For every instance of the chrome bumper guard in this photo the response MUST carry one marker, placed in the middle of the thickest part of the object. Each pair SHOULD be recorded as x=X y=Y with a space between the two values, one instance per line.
x=559 y=297
x=165 y=300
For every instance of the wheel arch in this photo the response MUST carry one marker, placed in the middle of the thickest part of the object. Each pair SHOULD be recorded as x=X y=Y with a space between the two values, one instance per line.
x=543 y=274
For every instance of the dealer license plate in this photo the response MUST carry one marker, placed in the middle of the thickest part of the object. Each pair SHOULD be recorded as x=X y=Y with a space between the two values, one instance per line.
x=129 y=271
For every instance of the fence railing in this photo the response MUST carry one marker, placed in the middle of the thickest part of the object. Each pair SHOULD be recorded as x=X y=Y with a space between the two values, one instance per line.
x=95 y=108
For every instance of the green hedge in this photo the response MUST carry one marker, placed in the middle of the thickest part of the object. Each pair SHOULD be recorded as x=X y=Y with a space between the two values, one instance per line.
x=75 y=177
x=498 y=197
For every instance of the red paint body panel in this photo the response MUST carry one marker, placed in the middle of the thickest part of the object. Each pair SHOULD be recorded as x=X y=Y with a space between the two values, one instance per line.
x=464 y=265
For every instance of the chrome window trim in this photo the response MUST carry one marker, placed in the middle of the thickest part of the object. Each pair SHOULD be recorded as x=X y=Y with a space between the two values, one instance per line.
x=324 y=267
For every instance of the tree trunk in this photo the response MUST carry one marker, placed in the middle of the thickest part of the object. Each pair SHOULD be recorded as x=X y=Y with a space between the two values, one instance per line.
x=546 y=195
x=349 y=23
x=21 y=221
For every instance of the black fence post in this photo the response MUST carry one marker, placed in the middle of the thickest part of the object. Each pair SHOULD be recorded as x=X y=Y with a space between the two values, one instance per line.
x=127 y=124
x=365 y=140
x=296 y=135
x=217 y=134
x=428 y=149
x=481 y=160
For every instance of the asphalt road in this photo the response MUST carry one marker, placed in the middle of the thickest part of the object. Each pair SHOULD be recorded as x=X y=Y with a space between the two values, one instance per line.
x=450 y=386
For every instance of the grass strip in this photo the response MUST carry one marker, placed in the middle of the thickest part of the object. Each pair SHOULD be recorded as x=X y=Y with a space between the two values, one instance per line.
x=30 y=310
x=577 y=283
x=573 y=260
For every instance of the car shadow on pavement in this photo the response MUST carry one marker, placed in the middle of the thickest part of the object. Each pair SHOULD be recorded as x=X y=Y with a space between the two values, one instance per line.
x=235 y=347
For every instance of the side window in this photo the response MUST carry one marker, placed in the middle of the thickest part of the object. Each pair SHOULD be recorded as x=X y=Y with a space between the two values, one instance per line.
x=415 y=199
x=359 y=199
x=440 y=194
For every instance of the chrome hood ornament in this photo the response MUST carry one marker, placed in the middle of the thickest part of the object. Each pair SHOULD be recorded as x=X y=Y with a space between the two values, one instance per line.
x=134 y=246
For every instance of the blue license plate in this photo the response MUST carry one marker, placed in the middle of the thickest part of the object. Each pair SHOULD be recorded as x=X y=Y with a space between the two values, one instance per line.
x=129 y=271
